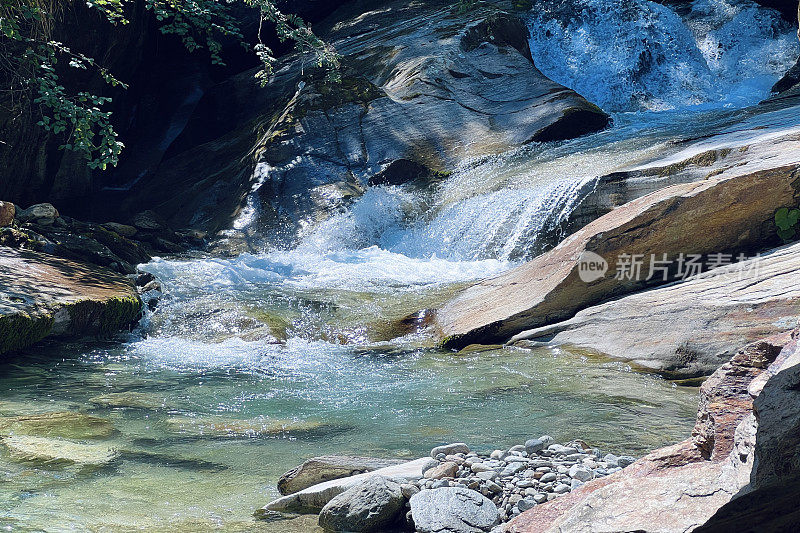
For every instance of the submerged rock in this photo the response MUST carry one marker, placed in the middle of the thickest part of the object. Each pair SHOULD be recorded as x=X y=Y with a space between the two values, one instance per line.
x=66 y=425
x=328 y=467
x=218 y=427
x=370 y=506
x=58 y=451
x=128 y=399
x=453 y=510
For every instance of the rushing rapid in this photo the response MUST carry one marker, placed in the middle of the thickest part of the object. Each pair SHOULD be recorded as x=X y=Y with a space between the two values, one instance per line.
x=253 y=363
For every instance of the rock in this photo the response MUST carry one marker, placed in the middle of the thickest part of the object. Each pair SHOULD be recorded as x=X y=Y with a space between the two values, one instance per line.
x=7 y=213
x=777 y=411
x=40 y=213
x=691 y=327
x=372 y=505
x=548 y=477
x=121 y=229
x=128 y=399
x=450 y=449
x=408 y=490
x=149 y=221
x=533 y=446
x=58 y=451
x=689 y=480
x=314 y=498
x=444 y=470
x=67 y=425
x=625 y=460
x=580 y=473
x=489 y=475
x=453 y=510
x=460 y=85
x=704 y=216
x=561 y=488
x=42 y=295
x=327 y=467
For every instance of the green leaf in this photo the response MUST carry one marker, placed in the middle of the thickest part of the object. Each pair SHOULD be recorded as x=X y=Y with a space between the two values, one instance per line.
x=786 y=234
x=782 y=218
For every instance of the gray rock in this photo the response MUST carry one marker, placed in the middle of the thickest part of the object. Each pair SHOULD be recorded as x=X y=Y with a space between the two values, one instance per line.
x=547 y=478
x=408 y=490
x=371 y=505
x=453 y=510
x=561 y=488
x=575 y=484
x=540 y=498
x=625 y=460
x=513 y=468
x=39 y=213
x=534 y=446
x=450 y=449
x=580 y=473
x=447 y=469
x=611 y=459
x=525 y=504
x=560 y=449
x=489 y=475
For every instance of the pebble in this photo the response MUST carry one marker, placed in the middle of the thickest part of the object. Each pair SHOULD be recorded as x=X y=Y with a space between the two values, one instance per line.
x=521 y=477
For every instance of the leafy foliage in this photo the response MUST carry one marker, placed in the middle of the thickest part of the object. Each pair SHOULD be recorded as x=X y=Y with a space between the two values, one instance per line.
x=786 y=220
x=29 y=59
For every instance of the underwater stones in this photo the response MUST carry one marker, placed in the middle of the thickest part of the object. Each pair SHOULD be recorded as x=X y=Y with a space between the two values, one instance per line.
x=66 y=425
x=369 y=506
x=218 y=427
x=453 y=510
x=58 y=451
x=129 y=400
x=328 y=467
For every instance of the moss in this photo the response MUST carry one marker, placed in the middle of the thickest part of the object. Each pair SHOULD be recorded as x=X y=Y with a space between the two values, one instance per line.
x=703 y=159
x=330 y=95
x=104 y=318
x=20 y=330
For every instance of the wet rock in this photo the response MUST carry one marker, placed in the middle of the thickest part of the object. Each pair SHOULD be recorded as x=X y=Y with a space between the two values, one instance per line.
x=372 y=505
x=58 y=451
x=121 y=229
x=7 y=213
x=128 y=399
x=148 y=221
x=328 y=467
x=453 y=510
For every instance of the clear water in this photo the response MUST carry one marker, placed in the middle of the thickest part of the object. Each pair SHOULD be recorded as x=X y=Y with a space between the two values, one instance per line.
x=252 y=364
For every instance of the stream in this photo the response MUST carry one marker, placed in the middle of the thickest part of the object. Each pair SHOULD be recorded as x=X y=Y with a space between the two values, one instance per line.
x=250 y=365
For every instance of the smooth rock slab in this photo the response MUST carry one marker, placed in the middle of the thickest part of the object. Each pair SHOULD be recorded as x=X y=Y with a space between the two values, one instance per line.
x=328 y=467
x=453 y=510
x=58 y=451
x=371 y=505
x=314 y=498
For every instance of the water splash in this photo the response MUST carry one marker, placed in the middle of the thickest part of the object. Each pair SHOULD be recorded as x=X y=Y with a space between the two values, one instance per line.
x=639 y=55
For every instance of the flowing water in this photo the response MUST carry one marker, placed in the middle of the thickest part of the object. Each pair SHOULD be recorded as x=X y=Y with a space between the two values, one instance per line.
x=251 y=364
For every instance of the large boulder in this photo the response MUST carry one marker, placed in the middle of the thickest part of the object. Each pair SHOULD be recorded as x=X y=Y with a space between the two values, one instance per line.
x=424 y=86
x=731 y=211
x=40 y=213
x=328 y=467
x=371 y=506
x=688 y=481
x=315 y=497
x=688 y=329
x=42 y=295
x=453 y=510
